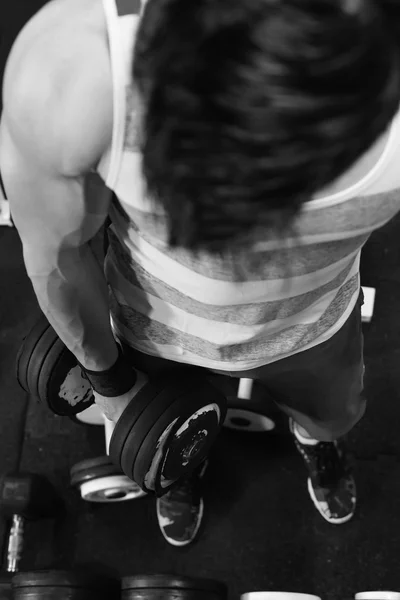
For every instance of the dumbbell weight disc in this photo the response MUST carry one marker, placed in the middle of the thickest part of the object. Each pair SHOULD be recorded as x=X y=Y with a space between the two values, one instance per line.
x=47 y=370
x=92 y=468
x=168 y=391
x=130 y=417
x=99 y=480
x=26 y=349
x=195 y=426
x=247 y=416
x=114 y=488
x=174 y=405
x=172 y=587
x=64 y=585
x=61 y=384
x=39 y=353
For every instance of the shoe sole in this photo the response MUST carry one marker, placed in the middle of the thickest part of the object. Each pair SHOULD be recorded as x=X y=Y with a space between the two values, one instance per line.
x=201 y=512
x=195 y=532
x=333 y=520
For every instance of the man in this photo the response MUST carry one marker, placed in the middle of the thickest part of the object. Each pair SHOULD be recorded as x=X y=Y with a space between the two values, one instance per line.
x=247 y=150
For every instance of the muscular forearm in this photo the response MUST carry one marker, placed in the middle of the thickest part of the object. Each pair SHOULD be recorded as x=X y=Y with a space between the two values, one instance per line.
x=72 y=293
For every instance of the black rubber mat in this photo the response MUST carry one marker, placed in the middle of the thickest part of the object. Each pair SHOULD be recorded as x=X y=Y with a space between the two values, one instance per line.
x=18 y=310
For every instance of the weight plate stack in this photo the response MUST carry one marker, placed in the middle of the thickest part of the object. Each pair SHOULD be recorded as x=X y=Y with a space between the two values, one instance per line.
x=25 y=352
x=49 y=371
x=100 y=480
x=172 y=587
x=64 y=585
x=167 y=431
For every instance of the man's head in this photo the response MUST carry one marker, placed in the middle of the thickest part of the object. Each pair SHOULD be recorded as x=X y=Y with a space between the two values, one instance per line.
x=252 y=106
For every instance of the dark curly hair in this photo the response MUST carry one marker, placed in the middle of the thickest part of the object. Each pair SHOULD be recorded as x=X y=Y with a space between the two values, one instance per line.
x=252 y=106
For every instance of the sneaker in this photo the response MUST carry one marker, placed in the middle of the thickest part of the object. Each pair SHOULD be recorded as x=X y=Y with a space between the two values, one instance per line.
x=330 y=484
x=180 y=511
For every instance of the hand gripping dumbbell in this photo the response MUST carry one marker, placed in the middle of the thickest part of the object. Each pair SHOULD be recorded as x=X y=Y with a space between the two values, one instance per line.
x=164 y=433
x=64 y=585
x=24 y=496
x=172 y=587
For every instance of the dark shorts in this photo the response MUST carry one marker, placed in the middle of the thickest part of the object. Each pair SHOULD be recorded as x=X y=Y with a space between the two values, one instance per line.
x=320 y=388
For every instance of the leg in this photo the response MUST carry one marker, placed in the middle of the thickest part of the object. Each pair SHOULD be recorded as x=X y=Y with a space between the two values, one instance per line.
x=321 y=392
x=180 y=511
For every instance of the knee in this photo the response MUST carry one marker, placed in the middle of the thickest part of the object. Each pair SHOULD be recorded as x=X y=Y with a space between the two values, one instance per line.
x=342 y=424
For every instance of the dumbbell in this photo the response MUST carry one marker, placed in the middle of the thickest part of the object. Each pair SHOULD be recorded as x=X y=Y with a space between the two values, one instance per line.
x=171 y=587
x=48 y=371
x=246 y=413
x=64 y=585
x=162 y=435
x=100 y=480
x=25 y=496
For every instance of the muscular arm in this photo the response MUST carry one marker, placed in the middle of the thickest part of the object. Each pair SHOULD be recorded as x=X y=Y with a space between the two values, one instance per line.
x=57 y=122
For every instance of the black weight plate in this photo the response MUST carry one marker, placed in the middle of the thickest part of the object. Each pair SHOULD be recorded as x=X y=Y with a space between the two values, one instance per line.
x=38 y=356
x=27 y=347
x=5 y=588
x=90 y=463
x=192 y=439
x=63 y=579
x=81 y=475
x=53 y=374
x=167 y=394
x=129 y=417
x=174 y=582
x=139 y=431
x=175 y=411
x=191 y=447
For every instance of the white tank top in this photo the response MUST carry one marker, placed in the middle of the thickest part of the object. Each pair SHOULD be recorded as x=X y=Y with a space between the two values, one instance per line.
x=284 y=297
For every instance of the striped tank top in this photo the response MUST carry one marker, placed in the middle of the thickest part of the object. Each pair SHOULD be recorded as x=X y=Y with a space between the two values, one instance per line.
x=285 y=296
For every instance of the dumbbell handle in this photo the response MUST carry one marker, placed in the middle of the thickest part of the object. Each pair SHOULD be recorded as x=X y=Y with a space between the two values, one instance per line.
x=245 y=388
x=15 y=543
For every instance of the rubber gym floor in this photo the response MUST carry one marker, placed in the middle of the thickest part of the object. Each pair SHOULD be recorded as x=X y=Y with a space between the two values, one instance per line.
x=261 y=530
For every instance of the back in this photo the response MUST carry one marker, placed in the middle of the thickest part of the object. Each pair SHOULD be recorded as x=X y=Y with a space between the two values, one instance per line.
x=234 y=312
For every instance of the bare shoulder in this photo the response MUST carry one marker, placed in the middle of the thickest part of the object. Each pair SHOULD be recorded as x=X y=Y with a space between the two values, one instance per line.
x=57 y=89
